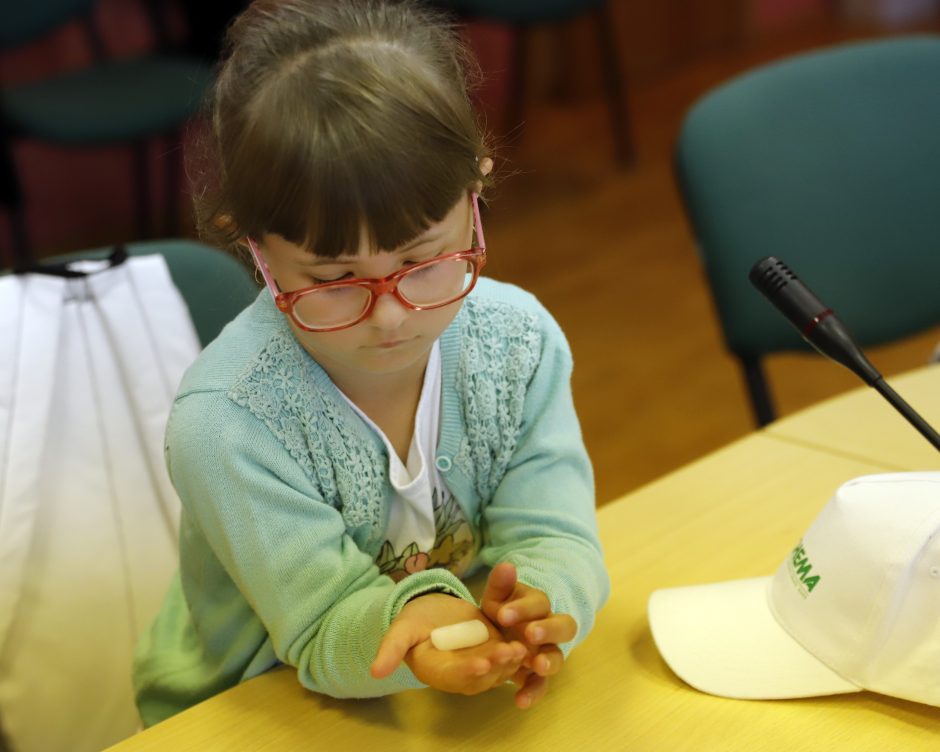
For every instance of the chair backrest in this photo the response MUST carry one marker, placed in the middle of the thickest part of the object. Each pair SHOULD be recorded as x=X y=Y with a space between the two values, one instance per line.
x=520 y=11
x=24 y=22
x=215 y=286
x=831 y=162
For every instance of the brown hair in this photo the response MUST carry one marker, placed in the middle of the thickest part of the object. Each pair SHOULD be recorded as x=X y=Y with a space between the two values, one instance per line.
x=332 y=116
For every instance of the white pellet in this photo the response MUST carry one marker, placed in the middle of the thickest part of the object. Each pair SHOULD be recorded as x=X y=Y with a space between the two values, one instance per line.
x=464 y=634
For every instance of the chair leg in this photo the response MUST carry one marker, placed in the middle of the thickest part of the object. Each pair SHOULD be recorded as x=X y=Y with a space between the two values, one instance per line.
x=11 y=195
x=756 y=381
x=174 y=183
x=615 y=87
x=142 y=183
x=22 y=251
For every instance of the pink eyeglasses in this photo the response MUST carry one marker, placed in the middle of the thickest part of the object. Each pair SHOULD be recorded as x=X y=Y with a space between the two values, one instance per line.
x=331 y=306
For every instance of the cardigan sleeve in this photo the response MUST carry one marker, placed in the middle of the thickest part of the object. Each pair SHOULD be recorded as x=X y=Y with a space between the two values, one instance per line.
x=267 y=564
x=541 y=517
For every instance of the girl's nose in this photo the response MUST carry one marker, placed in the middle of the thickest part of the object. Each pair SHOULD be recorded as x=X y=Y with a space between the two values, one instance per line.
x=388 y=313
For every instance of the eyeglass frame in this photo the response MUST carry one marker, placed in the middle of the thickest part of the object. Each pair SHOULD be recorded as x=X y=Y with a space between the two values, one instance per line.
x=285 y=301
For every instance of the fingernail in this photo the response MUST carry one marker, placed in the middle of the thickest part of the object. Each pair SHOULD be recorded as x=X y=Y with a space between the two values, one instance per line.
x=509 y=616
x=538 y=634
x=525 y=701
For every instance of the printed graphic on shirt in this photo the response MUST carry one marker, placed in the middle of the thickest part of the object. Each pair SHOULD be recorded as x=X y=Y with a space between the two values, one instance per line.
x=454 y=544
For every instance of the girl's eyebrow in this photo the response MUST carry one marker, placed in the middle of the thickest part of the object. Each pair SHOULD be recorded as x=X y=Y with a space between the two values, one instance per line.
x=313 y=260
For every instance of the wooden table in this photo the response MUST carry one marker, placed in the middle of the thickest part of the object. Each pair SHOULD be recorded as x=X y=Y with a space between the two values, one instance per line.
x=734 y=514
x=863 y=425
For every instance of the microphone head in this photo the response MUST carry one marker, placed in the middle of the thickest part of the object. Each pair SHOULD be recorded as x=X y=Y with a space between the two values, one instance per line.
x=815 y=321
x=770 y=275
x=780 y=285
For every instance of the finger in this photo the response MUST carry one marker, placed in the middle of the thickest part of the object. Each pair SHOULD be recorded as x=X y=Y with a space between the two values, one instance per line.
x=479 y=669
x=532 y=691
x=547 y=662
x=450 y=671
x=556 y=629
x=504 y=659
x=468 y=676
x=507 y=660
x=531 y=606
x=508 y=652
x=398 y=640
x=499 y=587
x=519 y=678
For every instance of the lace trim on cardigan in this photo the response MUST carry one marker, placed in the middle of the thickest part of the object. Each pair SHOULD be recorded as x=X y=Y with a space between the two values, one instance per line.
x=499 y=352
x=279 y=389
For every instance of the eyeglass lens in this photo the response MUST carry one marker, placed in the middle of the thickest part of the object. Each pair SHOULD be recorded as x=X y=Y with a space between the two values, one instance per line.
x=438 y=283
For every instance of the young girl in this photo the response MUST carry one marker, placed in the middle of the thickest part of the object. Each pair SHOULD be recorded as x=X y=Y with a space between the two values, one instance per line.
x=367 y=433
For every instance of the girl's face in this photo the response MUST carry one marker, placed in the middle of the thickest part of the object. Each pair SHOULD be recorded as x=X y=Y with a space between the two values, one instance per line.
x=393 y=339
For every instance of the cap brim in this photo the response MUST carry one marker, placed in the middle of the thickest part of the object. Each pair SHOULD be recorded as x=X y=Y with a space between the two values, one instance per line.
x=723 y=639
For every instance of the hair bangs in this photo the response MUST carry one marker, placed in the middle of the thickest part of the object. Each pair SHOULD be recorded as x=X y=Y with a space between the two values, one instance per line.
x=332 y=200
x=385 y=209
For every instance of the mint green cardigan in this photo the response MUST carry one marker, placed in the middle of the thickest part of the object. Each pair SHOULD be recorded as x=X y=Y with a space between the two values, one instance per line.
x=285 y=500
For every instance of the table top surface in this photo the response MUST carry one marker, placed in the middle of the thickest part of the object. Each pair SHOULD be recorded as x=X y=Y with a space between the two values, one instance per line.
x=862 y=424
x=731 y=515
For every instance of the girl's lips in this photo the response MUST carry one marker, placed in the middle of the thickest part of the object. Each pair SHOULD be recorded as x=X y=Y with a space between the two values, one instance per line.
x=391 y=343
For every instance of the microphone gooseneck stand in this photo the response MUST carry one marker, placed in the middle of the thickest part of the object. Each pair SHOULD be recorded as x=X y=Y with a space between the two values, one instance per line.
x=820 y=327
x=913 y=417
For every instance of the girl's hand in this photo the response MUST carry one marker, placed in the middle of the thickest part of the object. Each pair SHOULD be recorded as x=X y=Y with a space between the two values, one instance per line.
x=468 y=671
x=525 y=614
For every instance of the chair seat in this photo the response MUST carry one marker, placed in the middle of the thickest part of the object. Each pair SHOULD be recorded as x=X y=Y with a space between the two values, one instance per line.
x=115 y=101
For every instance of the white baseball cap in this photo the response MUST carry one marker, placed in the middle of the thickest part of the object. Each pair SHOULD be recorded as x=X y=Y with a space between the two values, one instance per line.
x=855 y=605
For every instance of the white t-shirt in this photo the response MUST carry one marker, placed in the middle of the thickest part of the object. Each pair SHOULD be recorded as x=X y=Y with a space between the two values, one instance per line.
x=426 y=527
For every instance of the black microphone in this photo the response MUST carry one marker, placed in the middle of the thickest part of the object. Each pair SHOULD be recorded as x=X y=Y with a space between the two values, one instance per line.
x=819 y=326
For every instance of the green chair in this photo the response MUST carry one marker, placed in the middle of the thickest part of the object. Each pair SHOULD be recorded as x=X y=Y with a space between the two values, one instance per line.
x=111 y=101
x=521 y=16
x=215 y=286
x=830 y=161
